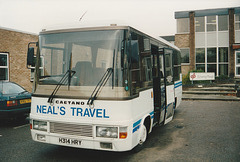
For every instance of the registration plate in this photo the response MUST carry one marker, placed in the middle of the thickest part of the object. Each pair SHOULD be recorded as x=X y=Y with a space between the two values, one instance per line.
x=25 y=101
x=70 y=141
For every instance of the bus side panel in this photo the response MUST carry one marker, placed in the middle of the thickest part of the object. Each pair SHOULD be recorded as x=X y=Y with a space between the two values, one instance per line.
x=142 y=107
x=178 y=92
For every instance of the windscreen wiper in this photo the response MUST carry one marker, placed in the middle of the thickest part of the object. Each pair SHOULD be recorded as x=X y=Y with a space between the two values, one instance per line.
x=99 y=86
x=23 y=92
x=64 y=79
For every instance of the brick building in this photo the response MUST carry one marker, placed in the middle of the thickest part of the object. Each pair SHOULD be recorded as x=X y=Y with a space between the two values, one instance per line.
x=13 y=56
x=210 y=40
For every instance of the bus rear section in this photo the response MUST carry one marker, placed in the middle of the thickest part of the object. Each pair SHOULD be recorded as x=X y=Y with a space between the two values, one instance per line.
x=102 y=88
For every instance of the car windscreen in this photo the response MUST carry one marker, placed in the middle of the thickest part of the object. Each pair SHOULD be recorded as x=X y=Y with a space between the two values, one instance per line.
x=10 y=88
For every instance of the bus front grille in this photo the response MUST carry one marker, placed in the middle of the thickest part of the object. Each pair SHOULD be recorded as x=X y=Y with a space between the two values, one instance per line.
x=72 y=129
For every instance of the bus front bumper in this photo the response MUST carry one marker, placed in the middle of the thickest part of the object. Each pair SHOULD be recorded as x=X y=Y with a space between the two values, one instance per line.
x=83 y=142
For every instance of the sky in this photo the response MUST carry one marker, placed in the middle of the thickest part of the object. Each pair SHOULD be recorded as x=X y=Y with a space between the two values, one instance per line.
x=155 y=17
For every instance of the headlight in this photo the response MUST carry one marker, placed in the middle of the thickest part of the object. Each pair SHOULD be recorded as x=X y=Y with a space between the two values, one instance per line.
x=40 y=125
x=107 y=132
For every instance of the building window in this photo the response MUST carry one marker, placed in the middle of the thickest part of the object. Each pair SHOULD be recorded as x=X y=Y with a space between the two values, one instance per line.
x=199 y=24
x=211 y=68
x=200 y=59
x=223 y=23
x=237 y=28
x=223 y=54
x=237 y=21
x=200 y=67
x=177 y=65
x=211 y=55
x=4 y=66
x=216 y=60
x=237 y=63
x=223 y=69
x=200 y=55
x=223 y=60
x=211 y=23
x=211 y=60
x=212 y=39
x=185 y=55
x=183 y=25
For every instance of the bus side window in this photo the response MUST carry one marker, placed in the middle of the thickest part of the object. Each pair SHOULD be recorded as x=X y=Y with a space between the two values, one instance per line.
x=146 y=70
x=135 y=66
x=169 y=68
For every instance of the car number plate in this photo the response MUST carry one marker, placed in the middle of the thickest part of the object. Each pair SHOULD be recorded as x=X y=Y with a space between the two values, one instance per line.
x=25 y=101
x=70 y=141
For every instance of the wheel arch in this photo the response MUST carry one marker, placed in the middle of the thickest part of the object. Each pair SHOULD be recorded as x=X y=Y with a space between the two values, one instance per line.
x=147 y=122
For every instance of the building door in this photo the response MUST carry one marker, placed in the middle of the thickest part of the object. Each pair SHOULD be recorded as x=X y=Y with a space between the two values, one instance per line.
x=237 y=64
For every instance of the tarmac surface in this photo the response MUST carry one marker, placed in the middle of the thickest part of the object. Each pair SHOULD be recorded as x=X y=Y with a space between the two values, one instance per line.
x=200 y=131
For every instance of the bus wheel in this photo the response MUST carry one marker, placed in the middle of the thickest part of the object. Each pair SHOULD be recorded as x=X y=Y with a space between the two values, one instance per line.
x=143 y=135
x=142 y=139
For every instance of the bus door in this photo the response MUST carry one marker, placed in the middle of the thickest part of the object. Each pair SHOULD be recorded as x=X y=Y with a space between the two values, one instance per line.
x=169 y=83
x=158 y=84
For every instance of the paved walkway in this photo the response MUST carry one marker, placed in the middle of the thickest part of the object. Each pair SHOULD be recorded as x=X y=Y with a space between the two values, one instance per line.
x=222 y=92
x=210 y=97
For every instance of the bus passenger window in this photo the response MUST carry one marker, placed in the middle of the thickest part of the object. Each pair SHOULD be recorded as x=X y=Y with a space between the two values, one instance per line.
x=169 y=68
x=146 y=70
x=135 y=66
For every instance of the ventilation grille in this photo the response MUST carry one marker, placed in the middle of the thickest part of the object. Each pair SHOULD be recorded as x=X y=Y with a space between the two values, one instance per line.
x=72 y=129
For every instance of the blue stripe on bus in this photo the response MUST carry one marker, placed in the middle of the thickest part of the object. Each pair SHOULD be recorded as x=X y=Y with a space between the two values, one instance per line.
x=152 y=114
x=176 y=85
x=136 y=128
x=136 y=125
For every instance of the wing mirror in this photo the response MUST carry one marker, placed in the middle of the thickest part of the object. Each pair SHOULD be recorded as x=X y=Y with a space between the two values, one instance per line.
x=30 y=55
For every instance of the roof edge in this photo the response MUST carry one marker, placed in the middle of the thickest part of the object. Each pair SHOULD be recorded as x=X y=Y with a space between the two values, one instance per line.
x=16 y=30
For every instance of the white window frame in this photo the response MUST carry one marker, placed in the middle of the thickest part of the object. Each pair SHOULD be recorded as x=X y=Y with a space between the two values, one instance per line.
x=235 y=21
x=211 y=23
x=237 y=31
x=206 y=46
x=218 y=23
x=204 y=19
x=6 y=67
x=188 y=55
x=236 y=65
